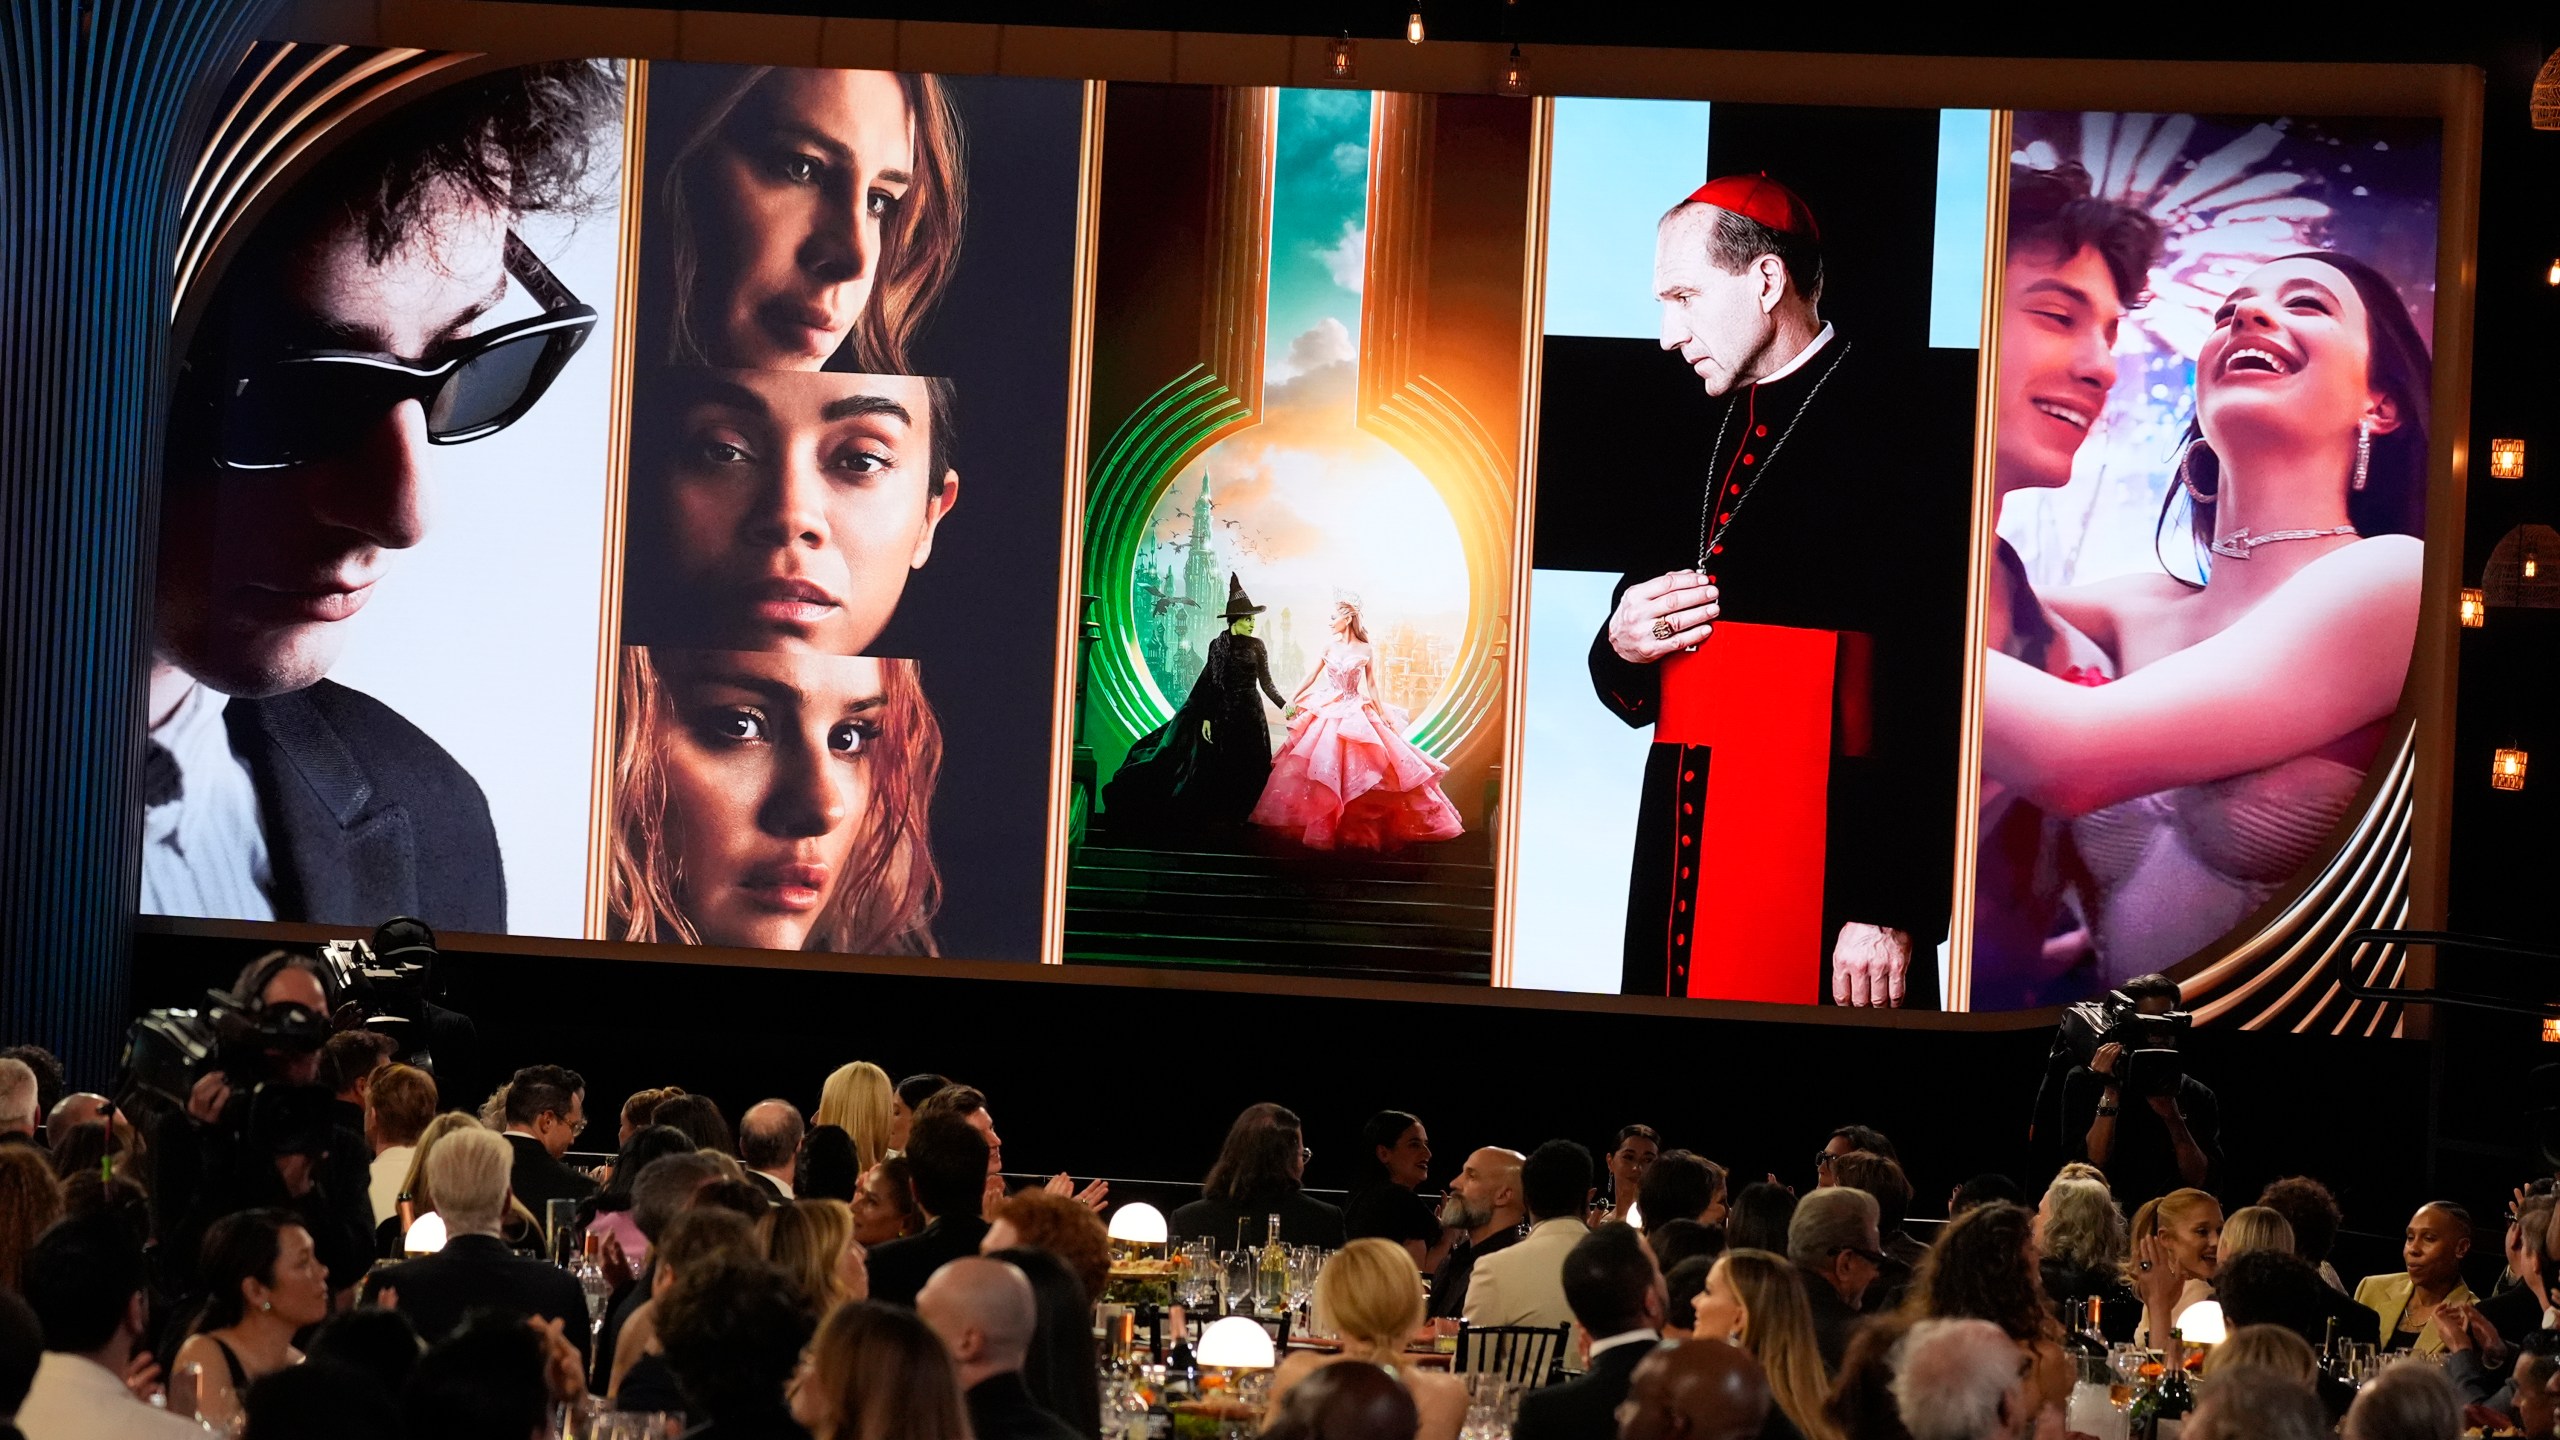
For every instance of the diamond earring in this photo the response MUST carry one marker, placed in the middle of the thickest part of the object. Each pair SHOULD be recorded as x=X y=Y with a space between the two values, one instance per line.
x=2186 y=475
x=2364 y=453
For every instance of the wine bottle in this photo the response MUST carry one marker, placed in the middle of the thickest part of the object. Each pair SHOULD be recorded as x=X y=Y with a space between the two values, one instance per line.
x=2177 y=1395
x=2088 y=1339
x=1271 y=1283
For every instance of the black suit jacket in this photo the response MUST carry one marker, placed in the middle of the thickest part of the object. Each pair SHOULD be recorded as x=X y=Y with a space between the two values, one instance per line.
x=1001 y=1408
x=765 y=1183
x=1584 y=1409
x=1833 y=1319
x=476 y=1272
x=365 y=816
x=900 y=1268
x=538 y=1178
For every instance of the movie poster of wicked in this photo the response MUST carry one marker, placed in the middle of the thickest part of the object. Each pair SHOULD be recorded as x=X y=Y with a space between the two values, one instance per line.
x=1298 y=531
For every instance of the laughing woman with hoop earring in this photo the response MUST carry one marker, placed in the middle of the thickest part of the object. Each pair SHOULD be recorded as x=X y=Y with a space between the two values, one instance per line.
x=2246 y=708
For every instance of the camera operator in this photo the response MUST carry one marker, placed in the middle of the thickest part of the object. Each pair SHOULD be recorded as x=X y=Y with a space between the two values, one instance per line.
x=2133 y=1111
x=258 y=1130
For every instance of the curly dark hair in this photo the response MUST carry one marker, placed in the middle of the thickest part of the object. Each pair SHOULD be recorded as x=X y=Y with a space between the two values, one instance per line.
x=1979 y=1270
x=520 y=141
x=732 y=1331
x=2054 y=213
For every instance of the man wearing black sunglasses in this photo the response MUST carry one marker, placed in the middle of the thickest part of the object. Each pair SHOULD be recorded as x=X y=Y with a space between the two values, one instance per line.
x=351 y=337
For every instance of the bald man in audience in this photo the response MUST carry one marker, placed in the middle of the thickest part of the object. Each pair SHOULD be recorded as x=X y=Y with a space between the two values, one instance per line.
x=769 y=1137
x=1485 y=1204
x=985 y=1312
x=1962 y=1380
x=1696 y=1390
x=73 y=1111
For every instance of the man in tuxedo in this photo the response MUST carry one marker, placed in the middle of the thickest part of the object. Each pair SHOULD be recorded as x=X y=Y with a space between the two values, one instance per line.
x=949 y=1159
x=546 y=1109
x=769 y=1137
x=351 y=341
x=1617 y=1297
x=467 y=1172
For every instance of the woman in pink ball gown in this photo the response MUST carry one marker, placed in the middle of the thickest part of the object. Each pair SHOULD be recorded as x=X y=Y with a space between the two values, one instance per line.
x=1345 y=777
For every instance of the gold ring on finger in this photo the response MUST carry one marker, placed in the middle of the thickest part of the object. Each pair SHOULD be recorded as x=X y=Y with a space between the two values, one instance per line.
x=1662 y=629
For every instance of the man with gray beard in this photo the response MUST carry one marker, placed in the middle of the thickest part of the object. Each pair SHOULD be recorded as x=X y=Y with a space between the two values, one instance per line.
x=1485 y=1203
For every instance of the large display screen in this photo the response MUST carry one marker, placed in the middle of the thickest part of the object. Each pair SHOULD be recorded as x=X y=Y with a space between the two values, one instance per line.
x=1824 y=555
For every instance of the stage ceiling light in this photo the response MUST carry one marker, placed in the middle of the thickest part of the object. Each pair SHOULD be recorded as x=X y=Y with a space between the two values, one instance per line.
x=2475 y=609
x=2506 y=459
x=2506 y=771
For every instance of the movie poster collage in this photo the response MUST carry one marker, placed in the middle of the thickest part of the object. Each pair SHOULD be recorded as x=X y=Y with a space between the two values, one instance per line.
x=717 y=603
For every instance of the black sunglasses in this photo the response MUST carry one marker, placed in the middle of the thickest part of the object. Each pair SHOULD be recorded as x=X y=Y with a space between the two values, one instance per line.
x=311 y=404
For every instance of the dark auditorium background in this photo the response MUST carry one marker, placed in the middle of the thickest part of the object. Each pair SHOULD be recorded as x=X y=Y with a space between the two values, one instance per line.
x=1140 y=1080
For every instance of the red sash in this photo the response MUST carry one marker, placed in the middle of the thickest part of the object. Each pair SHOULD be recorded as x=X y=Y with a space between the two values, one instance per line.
x=1746 y=921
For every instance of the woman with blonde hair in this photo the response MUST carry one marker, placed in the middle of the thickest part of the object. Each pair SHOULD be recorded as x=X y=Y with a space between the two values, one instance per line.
x=1370 y=1296
x=856 y=1099
x=803 y=219
x=2080 y=1233
x=1756 y=1300
x=776 y=801
x=812 y=1241
x=2272 y=1347
x=2254 y=1227
x=875 y=1372
x=393 y=1231
x=2177 y=1248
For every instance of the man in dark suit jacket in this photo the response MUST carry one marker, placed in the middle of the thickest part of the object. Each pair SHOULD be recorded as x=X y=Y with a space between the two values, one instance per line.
x=291 y=487
x=949 y=1159
x=467 y=1174
x=546 y=1108
x=985 y=1312
x=1617 y=1296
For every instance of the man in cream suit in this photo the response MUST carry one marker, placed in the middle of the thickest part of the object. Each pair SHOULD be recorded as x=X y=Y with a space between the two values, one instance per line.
x=1523 y=1284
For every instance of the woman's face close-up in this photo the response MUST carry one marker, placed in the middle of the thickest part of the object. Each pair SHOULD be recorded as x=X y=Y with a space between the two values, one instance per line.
x=1627 y=1165
x=2434 y=1245
x=798 y=505
x=876 y=1217
x=793 y=201
x=300 y=1292
x=2287 y=361
x=2195 y=1241
x=1408 y=1161
x=1719 y=1307
x=768 y=770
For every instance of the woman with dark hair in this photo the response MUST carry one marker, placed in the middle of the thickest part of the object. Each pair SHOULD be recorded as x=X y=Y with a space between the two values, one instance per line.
x=774 y=801
x=2206 y=773
x=884 y=1204
x=829 y=1167
x=876 y=1372
x=805 y=219
x=1759 y=1217
x=911 y=1093
x=699 y=1119
x=1398 y=1157
x=608 y=1211
x=263 y=1283
x=1258 y=1176
x=1630 y=1156
x=1985 y=1266
x=1061 y=1370
x=2431 y=1252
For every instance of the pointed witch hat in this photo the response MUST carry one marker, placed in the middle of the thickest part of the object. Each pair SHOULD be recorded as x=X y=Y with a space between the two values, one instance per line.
x=1239 y=604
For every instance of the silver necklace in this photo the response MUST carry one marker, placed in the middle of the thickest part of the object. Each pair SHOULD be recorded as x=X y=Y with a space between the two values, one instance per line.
x=2240 y=542
x=1709 y=539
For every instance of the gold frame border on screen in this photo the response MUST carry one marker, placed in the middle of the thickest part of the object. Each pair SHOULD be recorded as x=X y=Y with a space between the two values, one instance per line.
x=2450 y=94
x=1957 y=993
x=617 y=497
x=1524 y=529
x=1065 y=689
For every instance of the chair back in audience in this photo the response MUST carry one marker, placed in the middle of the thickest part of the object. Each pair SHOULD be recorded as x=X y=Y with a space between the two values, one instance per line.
x=1527 y=1354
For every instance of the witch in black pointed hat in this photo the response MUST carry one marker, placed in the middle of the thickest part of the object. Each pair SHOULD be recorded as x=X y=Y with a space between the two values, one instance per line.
x=1207 y=765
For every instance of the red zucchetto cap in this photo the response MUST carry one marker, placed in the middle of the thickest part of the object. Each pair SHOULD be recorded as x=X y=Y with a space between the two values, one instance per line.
x=1757 y=197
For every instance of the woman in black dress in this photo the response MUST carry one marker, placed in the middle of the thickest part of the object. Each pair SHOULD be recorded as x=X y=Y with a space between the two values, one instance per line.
x=1207 y=765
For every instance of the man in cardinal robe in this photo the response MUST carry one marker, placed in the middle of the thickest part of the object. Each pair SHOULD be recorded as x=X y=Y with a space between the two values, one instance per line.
x=1792 y=628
